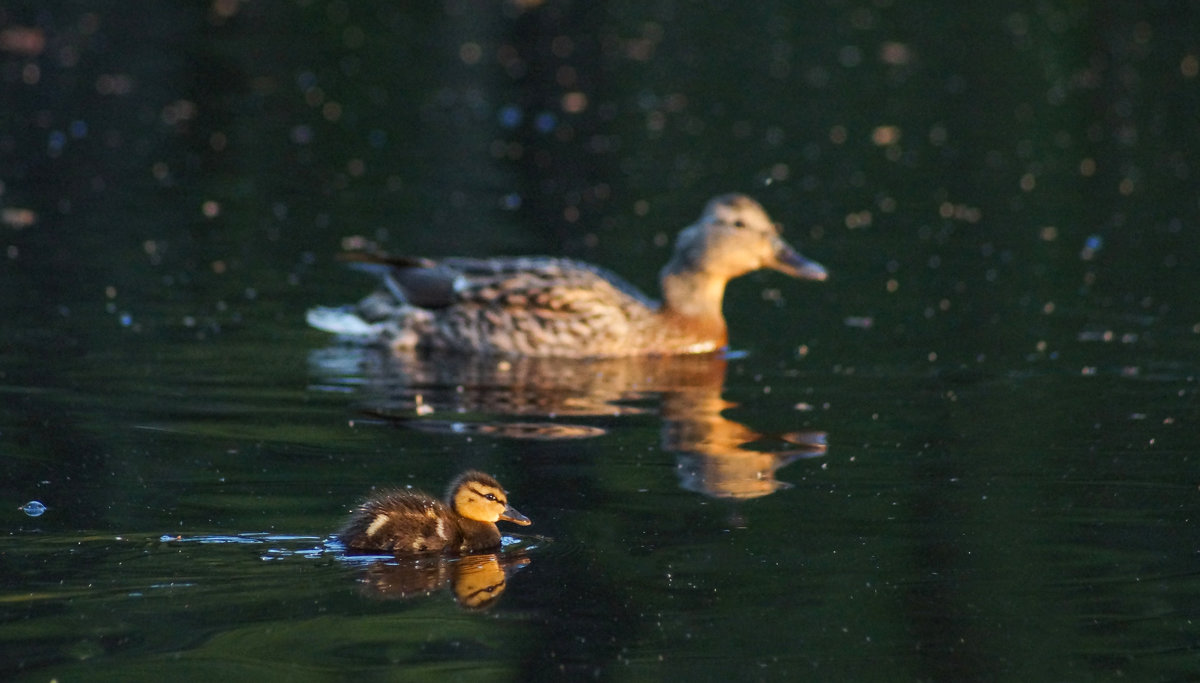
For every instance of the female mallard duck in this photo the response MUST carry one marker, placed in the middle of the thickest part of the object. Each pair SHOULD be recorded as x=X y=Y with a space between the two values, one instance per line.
x=414 y=522
x=541 y=306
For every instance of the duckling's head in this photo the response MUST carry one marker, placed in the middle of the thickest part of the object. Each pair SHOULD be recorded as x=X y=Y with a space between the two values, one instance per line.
x=478 y=496
x=735 y=236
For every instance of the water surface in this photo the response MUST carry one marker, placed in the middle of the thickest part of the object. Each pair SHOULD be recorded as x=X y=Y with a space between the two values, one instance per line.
x=969 y=455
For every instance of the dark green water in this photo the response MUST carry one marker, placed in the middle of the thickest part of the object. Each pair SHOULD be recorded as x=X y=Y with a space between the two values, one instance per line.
x=1002 y=368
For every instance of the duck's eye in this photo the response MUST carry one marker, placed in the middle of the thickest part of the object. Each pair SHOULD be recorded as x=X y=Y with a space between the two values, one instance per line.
x=491 y=497
x=739 y=223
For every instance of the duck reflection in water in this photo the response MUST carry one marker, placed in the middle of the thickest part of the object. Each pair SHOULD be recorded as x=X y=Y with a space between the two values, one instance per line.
x=483 y=395
x=711 y=453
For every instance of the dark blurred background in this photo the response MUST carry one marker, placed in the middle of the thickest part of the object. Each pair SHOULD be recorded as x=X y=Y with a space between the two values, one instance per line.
x=215 y=146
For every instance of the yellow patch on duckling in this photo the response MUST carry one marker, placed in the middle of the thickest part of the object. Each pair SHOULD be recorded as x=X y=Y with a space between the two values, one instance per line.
x=380 y=520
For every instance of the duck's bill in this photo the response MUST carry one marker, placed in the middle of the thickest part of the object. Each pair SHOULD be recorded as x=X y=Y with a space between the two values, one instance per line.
x=510 y=514
x=789 y=261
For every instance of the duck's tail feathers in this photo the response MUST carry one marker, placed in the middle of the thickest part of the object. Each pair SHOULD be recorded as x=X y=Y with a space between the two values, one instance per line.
x=341 y=320
x=421 y=282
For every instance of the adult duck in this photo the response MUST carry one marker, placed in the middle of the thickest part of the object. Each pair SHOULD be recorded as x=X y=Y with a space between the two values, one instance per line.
x=543 y=306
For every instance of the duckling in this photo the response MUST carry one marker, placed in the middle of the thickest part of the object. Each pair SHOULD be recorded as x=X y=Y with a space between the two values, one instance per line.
x=406 y=522
x=543 y=306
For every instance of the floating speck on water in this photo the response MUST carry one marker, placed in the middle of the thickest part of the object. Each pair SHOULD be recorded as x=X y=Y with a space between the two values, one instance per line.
x=421 y=407
x=1091 y=245
x=302 y=135
x=33 y=508
x=56 y=141
x=862 y=322
x=545 y=122
x=17 y=219
x=126 y=320
x=510 y=116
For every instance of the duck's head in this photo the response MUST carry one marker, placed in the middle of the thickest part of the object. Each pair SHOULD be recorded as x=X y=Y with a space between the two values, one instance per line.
x=735 y=236
x=478 y=496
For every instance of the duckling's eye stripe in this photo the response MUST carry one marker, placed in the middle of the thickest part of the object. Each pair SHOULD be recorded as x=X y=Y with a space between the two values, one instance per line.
x=490 y=590
x=481 y=494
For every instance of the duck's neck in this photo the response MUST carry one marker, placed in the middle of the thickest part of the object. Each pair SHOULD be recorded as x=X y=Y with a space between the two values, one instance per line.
x=692 y=294
x=478 y=536
x=693 y=300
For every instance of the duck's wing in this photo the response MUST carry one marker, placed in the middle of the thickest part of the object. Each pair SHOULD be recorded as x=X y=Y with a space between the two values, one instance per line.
x=400 y=521
x=538 y=281
x=528 y=282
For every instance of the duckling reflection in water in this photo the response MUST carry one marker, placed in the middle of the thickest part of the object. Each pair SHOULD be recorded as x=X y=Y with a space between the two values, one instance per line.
x=411 y=522
x=477 y=581
x=553 y=307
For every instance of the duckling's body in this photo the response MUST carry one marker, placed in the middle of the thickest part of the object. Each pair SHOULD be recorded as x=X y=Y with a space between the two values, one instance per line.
x=540 y=306
x=405 y=522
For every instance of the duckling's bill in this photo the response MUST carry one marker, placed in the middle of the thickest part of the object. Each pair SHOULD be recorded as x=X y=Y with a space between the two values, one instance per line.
x=510 y=514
